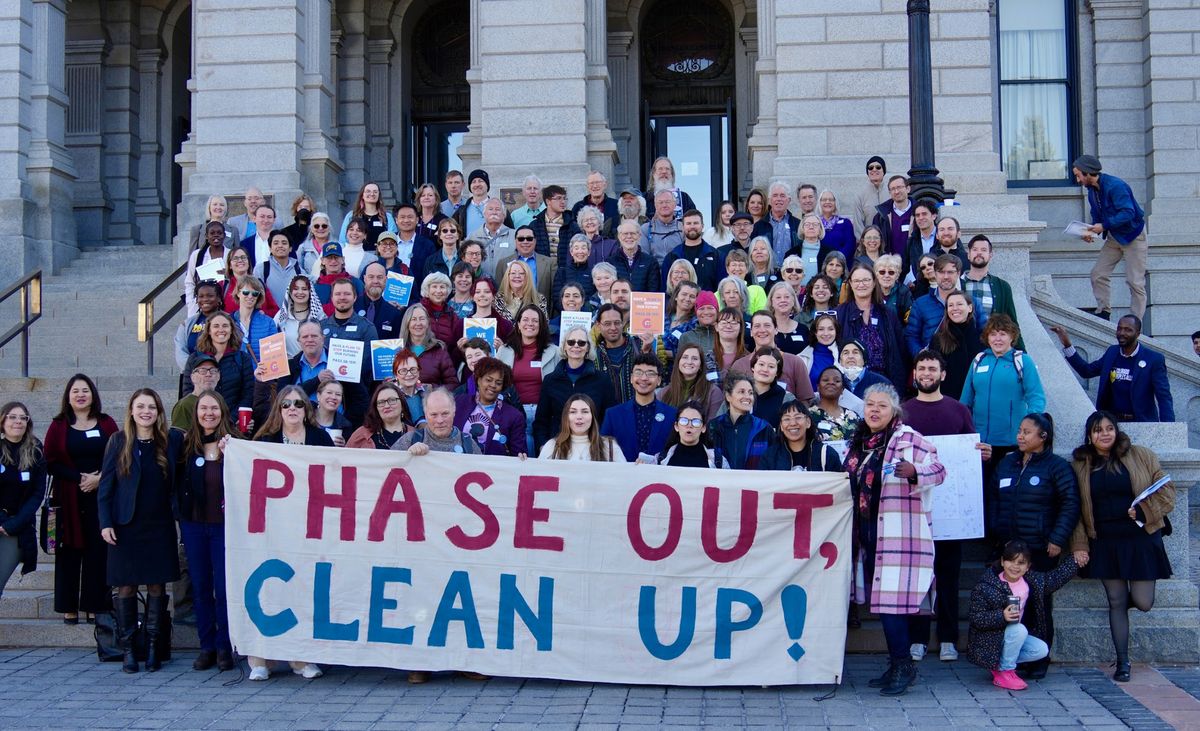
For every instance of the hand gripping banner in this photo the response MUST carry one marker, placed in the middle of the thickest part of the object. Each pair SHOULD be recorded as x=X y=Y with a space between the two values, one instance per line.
x=586 y=571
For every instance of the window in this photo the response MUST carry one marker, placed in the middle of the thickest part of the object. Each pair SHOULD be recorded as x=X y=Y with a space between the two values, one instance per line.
x=1037 y=90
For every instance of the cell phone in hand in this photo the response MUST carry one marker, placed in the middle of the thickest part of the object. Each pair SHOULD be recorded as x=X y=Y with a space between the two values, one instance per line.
x=1014 y=601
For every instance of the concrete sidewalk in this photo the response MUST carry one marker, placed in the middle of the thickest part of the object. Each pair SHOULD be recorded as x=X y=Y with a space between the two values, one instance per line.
x=68 y=689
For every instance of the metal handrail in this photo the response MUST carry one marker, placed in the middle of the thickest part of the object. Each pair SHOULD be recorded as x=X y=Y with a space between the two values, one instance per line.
x=30 y=287
x=147 y=325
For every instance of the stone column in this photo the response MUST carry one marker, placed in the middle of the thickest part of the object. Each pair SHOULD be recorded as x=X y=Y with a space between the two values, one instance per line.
x=1120 y=32
x=248 y=110
x=379 y=165
x=746 y=109
x=150 y=210
x=1172 y=111
x=622 y=108
x=471 y=149
x=119 y=121
x=763 y=142
x=352 y=113
x=50 y=172
x=84 y=138
x=601 y=149
x=319 y=160
x=532 y=92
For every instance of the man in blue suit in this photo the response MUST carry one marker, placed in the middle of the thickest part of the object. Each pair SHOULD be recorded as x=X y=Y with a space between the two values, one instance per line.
x=642 y=424
x=1132 y=380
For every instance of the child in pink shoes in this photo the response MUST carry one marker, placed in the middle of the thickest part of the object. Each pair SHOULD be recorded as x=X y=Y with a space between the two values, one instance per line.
x=1007 y=622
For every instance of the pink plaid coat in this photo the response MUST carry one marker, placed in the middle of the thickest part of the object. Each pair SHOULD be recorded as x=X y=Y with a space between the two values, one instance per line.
x=904 y=541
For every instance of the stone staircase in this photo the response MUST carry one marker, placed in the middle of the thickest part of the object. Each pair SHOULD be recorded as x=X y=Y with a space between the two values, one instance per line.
x=88 y=324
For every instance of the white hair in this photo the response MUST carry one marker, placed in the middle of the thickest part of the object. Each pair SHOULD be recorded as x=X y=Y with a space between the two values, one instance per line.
x=531 y=179
x=779 y=184
x=589 y=211
x=434 y=278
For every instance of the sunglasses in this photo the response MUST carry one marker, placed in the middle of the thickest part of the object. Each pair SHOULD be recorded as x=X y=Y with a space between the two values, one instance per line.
x=290 y=404
x=577 y=343
x=684 y=421
x=526 y=238
x=320 y=226
x=793 y=270
x=887 y=272
x=249 y=293
x=874 y=167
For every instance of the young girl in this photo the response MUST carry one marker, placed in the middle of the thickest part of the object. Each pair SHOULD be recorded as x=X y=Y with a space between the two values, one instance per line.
x=1004 y=633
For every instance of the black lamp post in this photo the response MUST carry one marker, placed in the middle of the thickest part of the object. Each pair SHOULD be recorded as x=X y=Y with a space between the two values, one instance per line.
x=924 y=179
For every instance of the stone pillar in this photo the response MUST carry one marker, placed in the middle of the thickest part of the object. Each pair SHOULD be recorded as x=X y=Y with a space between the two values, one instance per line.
x=746 y=110
x=319 y=160
x=50 y=172
x=763 y=142
x=471 y=149
x=622 y=108
x=352 y=113
x=248 y=108
x=379 y=165
x=84 y=138
x=119 y=120
x=532 y=92
x=150 y=210
x=1120 y=32
x=601 y=149
x=1172 y=110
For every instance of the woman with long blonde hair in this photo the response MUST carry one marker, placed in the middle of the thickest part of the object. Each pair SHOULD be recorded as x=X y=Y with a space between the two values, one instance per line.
x=517 y=289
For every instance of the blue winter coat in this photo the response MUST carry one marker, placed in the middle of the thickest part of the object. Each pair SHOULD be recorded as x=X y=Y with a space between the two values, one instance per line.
x=999 y=398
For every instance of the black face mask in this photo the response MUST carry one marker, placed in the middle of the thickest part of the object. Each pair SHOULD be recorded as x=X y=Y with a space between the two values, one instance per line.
x=303 y=216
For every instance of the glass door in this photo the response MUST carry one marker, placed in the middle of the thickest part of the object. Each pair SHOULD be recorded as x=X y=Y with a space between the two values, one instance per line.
x=698 y=145
x=437 y=151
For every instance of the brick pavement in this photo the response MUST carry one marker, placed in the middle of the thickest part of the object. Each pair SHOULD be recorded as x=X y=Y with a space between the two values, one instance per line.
x=67 y=688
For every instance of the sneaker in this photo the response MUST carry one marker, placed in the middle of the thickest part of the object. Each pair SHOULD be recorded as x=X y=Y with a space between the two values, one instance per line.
x=917 y=651
x=309 y=671
x=1008 y=680
x=260 y=673
x=949 y=652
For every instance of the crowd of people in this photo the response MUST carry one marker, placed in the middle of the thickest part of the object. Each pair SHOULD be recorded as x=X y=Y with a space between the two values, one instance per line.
x=836 y=339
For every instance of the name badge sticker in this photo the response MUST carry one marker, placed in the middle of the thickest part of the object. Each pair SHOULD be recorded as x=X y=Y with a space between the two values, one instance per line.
x=535 y=364
x=352 y=328
x=982 y=369
x=1006 y=482
x=92 y=433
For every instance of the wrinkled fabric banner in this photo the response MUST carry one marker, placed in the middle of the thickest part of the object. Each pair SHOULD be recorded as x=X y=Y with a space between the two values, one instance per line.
x=600 y=572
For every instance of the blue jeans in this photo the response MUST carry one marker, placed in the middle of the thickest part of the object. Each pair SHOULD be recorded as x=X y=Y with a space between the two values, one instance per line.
x=204 y=544
x=531 y=449
x=1020 y=646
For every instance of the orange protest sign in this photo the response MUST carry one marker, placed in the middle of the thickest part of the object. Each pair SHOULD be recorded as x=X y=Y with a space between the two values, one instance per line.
x=273 y=359
x=646 y=311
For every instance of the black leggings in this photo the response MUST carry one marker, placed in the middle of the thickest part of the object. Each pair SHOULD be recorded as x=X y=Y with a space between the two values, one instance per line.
x=1123 y=594
x=124 y=592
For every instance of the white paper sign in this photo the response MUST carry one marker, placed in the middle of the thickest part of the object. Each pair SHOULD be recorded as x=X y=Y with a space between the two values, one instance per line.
x=568 y=321
x=957 y=503
x=345 y=359
x=381 y=559
x=1077 y=229
x=213 y=269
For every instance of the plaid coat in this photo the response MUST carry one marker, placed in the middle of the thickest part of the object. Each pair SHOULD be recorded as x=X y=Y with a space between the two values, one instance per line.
x=904 y=541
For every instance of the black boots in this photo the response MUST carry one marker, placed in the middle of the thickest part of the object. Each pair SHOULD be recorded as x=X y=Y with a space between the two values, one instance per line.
x=904 y=676
x=156 y=609
x=884 y=680
x=1121 y=675
x=127 y=617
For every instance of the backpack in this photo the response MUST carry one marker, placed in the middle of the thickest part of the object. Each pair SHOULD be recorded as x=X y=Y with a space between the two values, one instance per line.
x=1018 y=363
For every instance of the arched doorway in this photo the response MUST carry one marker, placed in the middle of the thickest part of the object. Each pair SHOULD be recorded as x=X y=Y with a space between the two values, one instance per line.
x=688 y=91
x=440 y=98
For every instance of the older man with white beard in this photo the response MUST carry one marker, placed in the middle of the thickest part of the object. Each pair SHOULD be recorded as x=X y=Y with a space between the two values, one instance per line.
x=662 y=177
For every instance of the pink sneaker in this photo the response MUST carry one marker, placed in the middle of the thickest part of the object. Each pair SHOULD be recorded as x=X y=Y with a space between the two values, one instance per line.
x=1008 y=680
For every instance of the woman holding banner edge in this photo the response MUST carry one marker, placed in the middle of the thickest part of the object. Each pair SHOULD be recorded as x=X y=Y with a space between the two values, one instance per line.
x=891 y=467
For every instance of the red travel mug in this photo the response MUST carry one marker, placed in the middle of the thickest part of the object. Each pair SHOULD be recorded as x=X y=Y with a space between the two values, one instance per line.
x=244 y=413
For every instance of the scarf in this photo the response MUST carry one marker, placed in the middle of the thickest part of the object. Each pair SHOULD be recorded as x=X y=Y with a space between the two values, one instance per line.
x=864 y=464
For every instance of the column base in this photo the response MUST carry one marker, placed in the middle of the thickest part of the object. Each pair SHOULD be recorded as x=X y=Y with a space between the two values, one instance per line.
x=1168 y=633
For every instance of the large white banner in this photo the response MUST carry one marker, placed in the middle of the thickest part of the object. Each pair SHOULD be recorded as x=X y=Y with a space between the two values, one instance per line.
x=581 y=571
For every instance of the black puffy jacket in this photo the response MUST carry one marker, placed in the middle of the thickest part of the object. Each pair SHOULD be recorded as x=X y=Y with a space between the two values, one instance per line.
x=557 y=388
x=1037 y=501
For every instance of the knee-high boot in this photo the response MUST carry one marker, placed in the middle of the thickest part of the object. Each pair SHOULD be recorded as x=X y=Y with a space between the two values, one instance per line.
x=156 y=608
x=127 y=615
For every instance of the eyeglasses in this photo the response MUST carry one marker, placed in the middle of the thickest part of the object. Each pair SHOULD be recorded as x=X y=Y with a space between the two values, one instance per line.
x=874 y=167
x=577 y=343
x=684 y=421
x=407 y=372
x=645 y=373
x=290 y=404
x=388 y=401
x=793 y=270
x=206 y=371
x=249 y=293
x=558 y=198
x=320 y=226
x=239 y=258
x=888 y=272
x=526 y=238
